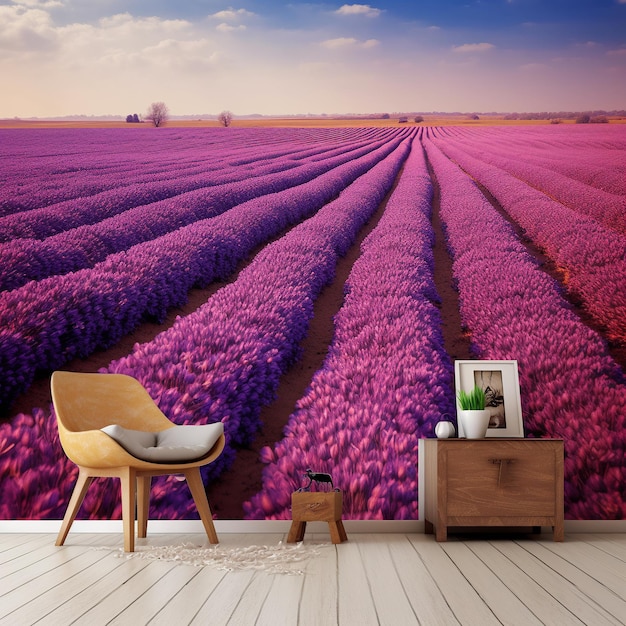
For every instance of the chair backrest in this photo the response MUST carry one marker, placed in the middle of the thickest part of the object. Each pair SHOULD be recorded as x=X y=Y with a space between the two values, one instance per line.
x=92 y=401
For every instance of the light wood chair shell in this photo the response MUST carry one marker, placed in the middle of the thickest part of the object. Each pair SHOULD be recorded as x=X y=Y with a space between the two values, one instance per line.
x=85 y=403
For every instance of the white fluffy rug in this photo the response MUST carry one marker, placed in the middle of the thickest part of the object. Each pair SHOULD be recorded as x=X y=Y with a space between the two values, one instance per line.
x=278 y=559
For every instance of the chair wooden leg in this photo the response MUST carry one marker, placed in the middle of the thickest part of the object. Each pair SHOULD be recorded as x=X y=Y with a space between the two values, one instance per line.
x=128 y=479
x=78 y=495
x=143 y=505
x=194 y=480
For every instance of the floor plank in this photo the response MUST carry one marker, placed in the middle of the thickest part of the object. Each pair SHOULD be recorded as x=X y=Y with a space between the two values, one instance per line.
x=600 y=565
x=319 y=597
x=370 y=579
x=354 y=597
x=461 y=596
x=585 y=583
x=390 y=599
x=504 y=604
x=282 y=602
x=184 y=606
x=557 y=586
x=541 y=604
x=427 y=599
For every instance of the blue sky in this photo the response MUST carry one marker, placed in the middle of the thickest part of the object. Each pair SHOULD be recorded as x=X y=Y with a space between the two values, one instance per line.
x=96 y=57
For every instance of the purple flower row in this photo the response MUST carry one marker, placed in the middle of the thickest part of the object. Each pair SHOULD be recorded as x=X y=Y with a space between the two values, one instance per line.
x=49 y=220
x=386 y=381
x=224 y=361
x=136 y=159
x=22 y=260
x=592 y=257
x=593 y=155
x=47 y=323
x=606 y=208
x=40 y=167
x=570 y=387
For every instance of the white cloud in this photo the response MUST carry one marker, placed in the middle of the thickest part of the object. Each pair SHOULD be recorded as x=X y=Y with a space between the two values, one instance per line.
x=26 y=30
x=123 y=23
x=473 y=47
x=232 y=14
x=171 y=53
x=358 y=9
x=39 y=4
x=339 y=42
x=618 y=51
x=228 y=28
x=348 y=42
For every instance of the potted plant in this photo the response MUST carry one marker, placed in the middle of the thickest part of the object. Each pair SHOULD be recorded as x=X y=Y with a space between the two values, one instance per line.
x=473 y=418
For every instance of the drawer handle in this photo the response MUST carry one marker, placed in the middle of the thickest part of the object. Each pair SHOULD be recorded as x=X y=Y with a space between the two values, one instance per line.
x=500 y=463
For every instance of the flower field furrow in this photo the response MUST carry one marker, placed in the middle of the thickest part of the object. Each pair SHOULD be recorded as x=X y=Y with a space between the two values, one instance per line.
x=46 y=323
x=92 y=154
x=83 y=171
x=59 y=217
x=570 y=387
x=606 y=208
x=22 y=260
x=222 y=362
x=386 y=380
x=592 y=257
x=585 y=157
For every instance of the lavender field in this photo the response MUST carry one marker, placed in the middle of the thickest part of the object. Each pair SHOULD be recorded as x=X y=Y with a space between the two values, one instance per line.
x=103 y=231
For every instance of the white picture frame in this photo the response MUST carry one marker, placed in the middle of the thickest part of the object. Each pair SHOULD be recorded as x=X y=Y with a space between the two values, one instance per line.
x=500 y=380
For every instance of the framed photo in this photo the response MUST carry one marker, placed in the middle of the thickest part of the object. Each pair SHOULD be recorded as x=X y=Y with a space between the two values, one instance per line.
x=500 y=382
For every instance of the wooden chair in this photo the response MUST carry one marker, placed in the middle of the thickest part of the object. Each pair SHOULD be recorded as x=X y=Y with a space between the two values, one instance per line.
x=85 y=403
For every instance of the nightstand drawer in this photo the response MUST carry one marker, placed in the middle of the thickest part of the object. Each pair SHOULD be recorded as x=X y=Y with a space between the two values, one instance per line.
x=501 y=480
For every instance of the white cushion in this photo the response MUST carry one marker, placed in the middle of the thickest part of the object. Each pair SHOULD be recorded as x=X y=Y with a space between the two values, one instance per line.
x=178 y=444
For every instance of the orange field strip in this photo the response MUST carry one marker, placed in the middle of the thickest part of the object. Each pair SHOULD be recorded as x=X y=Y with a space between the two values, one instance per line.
x=290 y=122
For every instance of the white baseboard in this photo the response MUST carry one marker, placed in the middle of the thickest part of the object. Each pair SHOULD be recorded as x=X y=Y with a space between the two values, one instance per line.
x=221 y=526
x=270 y=526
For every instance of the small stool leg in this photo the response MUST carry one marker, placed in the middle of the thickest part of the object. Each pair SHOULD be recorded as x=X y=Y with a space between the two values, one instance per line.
x=337 y=532
x=296 y=532
x=342 y=531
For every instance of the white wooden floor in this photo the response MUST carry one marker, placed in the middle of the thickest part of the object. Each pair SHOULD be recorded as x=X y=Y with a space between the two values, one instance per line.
x=395 y=579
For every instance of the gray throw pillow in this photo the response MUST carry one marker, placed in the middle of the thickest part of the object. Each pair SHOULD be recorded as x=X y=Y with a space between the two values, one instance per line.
x=179 y=444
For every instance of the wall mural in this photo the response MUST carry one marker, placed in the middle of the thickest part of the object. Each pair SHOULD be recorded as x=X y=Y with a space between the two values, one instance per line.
x=311 y=289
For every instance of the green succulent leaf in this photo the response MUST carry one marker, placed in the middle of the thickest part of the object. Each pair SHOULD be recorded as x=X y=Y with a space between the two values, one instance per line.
x=472 y=401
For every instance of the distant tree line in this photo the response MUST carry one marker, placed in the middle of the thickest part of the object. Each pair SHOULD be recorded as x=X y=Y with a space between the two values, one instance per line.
x=588 y=119
x=159 y=114
x=566 y=115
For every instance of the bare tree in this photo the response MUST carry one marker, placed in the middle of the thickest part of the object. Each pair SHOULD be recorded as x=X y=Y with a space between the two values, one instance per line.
x=158 y=114
x=225 y=118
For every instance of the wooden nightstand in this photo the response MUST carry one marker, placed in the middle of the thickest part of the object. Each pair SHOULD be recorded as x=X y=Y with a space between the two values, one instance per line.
x=493 y=482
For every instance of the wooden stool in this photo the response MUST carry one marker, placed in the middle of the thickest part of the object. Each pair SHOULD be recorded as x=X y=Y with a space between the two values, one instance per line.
x=316 y=506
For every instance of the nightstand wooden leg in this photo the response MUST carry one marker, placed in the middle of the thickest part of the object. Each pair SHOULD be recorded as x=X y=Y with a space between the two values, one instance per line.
x=442 y=533
x=559 y=531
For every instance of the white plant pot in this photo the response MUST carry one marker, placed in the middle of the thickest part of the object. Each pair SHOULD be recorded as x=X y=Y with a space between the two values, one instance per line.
x=444 y=429
x=473 y=424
